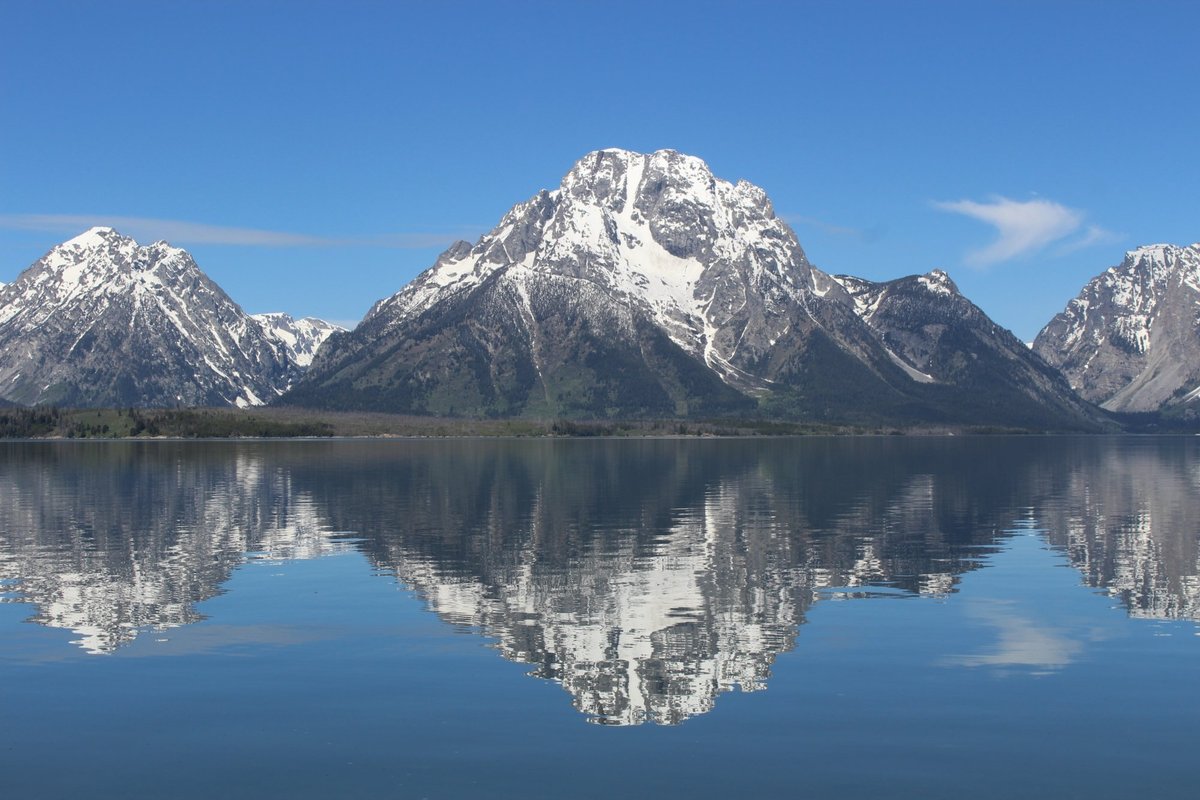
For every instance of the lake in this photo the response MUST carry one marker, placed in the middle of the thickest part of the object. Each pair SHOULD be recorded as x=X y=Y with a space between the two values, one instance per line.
x=990 y=617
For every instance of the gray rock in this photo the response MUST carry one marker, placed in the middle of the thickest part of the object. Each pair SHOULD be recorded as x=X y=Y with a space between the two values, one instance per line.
x=946 y=342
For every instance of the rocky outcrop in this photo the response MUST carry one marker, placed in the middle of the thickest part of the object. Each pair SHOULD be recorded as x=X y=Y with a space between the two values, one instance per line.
x=1131 y=340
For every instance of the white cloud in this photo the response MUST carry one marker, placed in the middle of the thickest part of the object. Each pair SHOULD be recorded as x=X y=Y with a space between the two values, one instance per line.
x=827 y=227
x=1022 y=641
x=1023 y=226
x=1094 y=235
x=181 y=232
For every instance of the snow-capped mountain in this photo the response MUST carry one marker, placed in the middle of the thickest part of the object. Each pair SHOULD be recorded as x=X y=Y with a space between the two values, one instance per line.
x=302 y=337
x=1131 y=340
x=643 y=285
x=103 y=321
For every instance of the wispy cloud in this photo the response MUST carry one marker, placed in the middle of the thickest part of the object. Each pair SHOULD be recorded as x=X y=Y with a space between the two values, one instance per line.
x=872 y=234
x=1023 y=226
x=828 y=227
x=1094 y=235
x=411 y=241
x=182 y=232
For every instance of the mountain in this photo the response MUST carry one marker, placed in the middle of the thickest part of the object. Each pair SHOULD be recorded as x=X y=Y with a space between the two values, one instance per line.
x=301 y=337
x=103 y=321
x=642 y=286
x=1130 y=341
x=948 y=344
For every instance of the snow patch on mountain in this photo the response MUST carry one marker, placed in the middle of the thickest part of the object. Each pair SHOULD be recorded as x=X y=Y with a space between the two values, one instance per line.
x=938 y=282
x=302 y=337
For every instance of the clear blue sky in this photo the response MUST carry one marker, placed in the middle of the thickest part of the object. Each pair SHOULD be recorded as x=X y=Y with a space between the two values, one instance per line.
x=315 y=156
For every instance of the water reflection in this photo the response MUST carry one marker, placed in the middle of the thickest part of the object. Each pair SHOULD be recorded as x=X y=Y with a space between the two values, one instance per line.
x=646 y=577
x=109 y=542
x=1129 y=520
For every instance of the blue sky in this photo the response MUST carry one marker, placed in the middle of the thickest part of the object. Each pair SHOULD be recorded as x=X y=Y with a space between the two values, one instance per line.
x=315 y=156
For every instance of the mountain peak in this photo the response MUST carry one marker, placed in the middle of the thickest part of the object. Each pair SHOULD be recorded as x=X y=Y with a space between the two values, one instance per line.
x=615 y=177
x=646 y=286
x=1159 y=259
x=100 y=320
x=1151 y=250
x=102 y=237
x=300 y=337
x=1128 y=340
x=938 y=282
x=99 y=235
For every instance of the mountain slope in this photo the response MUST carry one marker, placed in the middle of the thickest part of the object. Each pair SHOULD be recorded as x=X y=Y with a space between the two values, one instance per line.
x=643 y=285
x=103 y=321
x=967 y=366
x=1131 y=340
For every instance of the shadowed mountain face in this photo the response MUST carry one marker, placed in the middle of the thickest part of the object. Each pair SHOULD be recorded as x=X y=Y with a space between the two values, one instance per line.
x=646 y=577
x=646 y=286
x=967 y=366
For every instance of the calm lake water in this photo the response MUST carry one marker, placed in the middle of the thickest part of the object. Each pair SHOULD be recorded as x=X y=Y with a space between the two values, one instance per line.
x=886 y=617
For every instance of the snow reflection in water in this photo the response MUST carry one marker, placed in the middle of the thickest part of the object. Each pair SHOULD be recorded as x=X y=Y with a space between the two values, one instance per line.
x=645 y=577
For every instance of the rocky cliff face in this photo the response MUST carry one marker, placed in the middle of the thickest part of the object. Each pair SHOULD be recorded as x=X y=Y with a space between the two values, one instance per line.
x=1131 y=340
x=103 y=321
x=643 y=285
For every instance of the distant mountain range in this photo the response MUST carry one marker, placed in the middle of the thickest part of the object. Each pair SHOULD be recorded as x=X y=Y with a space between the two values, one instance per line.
x=643 y=286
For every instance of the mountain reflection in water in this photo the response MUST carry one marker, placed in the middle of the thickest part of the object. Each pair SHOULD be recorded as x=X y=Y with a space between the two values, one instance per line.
x=647 y=577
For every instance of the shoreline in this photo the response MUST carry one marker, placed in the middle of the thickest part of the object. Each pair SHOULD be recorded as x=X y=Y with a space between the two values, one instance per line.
x=293 y=423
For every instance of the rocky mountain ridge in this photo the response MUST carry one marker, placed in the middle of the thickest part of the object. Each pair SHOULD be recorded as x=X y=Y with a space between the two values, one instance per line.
x=646 y=286
x=942 y=339
x=643 y=286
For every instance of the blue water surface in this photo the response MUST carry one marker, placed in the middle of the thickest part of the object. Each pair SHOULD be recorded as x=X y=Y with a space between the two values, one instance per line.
x=899 y=617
